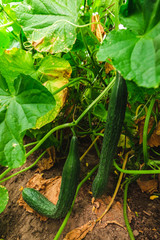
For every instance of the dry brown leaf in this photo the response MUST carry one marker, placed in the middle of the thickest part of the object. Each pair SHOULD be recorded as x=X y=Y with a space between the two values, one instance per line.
x=108 y=67
x=80 y=232
x=47 y=163
x=154 y=140
x=148 y=186
x=50 y=188
x=114 y=215
x=97 y=29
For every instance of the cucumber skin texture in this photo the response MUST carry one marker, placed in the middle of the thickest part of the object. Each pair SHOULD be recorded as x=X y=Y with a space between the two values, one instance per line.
x=113 y=127
x=70 y=179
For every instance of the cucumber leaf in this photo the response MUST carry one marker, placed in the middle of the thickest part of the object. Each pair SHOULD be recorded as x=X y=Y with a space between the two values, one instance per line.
x=15 y=62
x=53 y=67
x=135 y=51
x=140 y=16
x=49 y=68
x=3 y=198
x=5 y=40
x=54 y=73
x=53 y=85
x=100 y=112
x=49 y=25
x=19 y=111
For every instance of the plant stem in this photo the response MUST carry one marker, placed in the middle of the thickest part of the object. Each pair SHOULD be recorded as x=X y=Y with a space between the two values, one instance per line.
x=72 y=124
x=88 y=70
x=88 y=149
x=70 y=83
x=90 y=32
x=95 y=67
x=23 y=170
x=66 y=125
x=30 y=144
x=70 y=211
x=125 y=212
x=5 y=172
x=145 y=130
x=110 y=85
x=6 y=25
x=136 y=172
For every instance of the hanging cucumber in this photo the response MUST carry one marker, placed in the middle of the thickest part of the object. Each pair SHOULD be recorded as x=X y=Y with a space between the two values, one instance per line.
x=70 y=178
x=113 y=127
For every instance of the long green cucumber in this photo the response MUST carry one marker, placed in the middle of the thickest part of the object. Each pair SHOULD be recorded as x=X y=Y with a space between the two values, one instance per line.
x=113 y=127
x=70 y=179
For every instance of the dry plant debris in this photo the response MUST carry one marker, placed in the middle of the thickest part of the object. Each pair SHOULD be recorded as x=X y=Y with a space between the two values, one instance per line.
x=47 y=163
x=97 y=29
x=114 y=216
x=80 y=232
x=148 y=186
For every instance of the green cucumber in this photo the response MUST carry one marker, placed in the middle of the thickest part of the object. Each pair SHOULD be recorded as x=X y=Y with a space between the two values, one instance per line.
x=70 y=179
x=113 y=127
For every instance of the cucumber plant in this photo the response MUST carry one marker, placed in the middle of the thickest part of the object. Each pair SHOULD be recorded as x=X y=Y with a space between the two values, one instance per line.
x=40 y=59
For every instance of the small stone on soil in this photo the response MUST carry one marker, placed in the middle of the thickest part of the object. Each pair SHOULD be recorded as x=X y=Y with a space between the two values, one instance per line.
x=135 y=233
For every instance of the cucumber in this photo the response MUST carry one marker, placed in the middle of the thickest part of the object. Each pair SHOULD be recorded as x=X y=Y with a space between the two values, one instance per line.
x=113 y=127
x=70 y=179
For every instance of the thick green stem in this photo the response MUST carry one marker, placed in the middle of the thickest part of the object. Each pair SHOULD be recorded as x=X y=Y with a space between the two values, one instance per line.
x=95 y=101
x=70 y=211
x=23 y=170
x=136 y=172
x=125 y=212
x=145 y=131
x=66 y=125
x=5 y=173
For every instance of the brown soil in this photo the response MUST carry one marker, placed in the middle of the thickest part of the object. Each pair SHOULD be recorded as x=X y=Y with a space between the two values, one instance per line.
x=17 y=224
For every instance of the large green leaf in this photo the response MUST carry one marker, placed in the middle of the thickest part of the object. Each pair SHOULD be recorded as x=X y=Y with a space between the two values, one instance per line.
x=140 y=16
x=19 y=111
x=18 y=61
x=48 y=24
x=15 y=62
x=3 y=198
x=135 y=52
